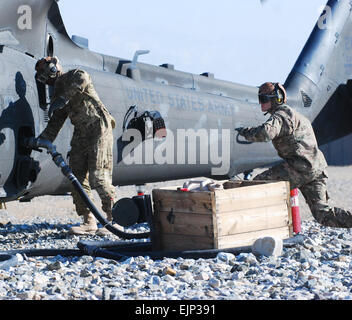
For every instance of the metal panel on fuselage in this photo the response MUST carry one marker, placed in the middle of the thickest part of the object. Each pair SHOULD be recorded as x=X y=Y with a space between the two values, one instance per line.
x=185 y=111
x=18 y=112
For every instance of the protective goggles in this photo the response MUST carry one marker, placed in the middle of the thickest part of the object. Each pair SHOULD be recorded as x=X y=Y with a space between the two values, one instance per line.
x=264 y=98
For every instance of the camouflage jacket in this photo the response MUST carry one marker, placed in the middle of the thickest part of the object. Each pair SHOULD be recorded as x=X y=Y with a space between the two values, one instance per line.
x=293 y=137
x=84 y=108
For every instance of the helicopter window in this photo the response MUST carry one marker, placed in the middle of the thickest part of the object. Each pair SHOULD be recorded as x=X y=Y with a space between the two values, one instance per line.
x=50 y=47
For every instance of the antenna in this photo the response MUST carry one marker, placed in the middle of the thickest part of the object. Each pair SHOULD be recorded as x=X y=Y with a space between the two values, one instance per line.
x=135 y=58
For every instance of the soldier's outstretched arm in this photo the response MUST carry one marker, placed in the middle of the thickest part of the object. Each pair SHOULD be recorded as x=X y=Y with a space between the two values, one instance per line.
x=265 y=132
x=55 y=124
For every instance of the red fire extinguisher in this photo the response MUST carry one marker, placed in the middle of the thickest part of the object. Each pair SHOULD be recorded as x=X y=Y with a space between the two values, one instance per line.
x=140 y=190
x=296 y=218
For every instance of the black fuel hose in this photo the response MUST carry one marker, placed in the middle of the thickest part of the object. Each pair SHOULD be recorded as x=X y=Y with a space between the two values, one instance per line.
x=157 y=255
x=9 y=258
x=120 y=246
x=44 y=252
x=108 y=251
x=67 y=172
x=120 y=251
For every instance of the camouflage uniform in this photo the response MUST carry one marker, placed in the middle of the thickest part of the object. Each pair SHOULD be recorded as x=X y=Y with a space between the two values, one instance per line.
x=91 y=157
x=304 y=164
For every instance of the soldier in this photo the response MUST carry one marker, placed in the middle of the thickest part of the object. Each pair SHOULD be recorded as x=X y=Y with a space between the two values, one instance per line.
x=91 y=158
x=304 y=165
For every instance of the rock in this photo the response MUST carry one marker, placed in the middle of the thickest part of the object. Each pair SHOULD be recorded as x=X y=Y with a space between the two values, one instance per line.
x=26 y=295
x=184 y=266
x=155 y=280
x=168 y=278
x=215 y=283
x=98 y=292
x=187 y=277
x=57 y=265
x=40 y=280
x=19 y=257
x=202 y=276
x=170 y=290
x=248 y=258
x=268 y=246
x=85 y=273
x=238 y=267
x=128 y=261
x=237 y=276
x=169 y=271
x=226 y=257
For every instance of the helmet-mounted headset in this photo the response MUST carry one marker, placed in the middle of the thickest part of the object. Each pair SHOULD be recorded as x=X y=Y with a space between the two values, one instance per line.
x=47 y=69
x=274 y=92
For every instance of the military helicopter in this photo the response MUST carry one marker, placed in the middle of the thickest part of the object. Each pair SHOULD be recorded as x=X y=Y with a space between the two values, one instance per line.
x=197 y=113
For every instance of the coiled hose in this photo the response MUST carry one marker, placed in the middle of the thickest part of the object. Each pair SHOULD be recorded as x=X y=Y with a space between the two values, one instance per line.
x=67 y=172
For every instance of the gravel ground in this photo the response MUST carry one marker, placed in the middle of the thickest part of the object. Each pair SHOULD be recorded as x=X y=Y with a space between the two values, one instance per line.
x=319 y=268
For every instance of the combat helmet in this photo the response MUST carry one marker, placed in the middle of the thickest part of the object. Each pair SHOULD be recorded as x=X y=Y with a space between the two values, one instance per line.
x=48 y=69
x=274 y=92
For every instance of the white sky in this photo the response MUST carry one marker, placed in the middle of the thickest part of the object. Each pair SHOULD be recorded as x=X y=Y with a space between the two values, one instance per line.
x=238 y=40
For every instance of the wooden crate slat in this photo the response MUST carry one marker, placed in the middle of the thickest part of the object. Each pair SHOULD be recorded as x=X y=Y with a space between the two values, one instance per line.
x=252 y=219
x=160 y=194
x=252 y=192
x=248 y=238
x=185 y=224
x=186 y=205
x=180 y=242
x=223 y=207
x=251 y=197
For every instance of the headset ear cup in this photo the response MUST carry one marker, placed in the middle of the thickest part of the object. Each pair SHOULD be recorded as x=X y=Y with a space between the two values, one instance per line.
x=279 y=99
x=282 y=92
x=279 y=95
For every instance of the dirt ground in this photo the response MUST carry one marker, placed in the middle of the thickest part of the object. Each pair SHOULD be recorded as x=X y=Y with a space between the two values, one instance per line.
x=339 y=187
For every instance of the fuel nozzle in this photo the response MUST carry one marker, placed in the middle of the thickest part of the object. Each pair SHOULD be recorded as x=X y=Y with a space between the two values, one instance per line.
x=37 y=143
x=31 y=143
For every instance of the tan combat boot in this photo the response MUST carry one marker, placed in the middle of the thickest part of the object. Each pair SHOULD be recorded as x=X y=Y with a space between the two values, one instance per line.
x=89 y=226
x=103 y=232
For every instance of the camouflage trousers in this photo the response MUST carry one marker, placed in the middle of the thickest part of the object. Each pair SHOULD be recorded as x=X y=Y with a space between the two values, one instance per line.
x=313 y=188
x=91 y=160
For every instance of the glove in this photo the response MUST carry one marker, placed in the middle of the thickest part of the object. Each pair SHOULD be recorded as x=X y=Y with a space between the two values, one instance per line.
x=241 y=130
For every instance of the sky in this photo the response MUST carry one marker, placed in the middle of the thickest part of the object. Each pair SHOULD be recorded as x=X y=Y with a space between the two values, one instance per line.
x=243 y=41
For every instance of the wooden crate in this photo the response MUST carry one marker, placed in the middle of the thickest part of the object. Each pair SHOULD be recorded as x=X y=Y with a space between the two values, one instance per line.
x=234 y=217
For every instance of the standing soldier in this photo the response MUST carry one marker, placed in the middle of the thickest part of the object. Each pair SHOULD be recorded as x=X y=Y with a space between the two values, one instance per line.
x=304 y=165
x=91 y=155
